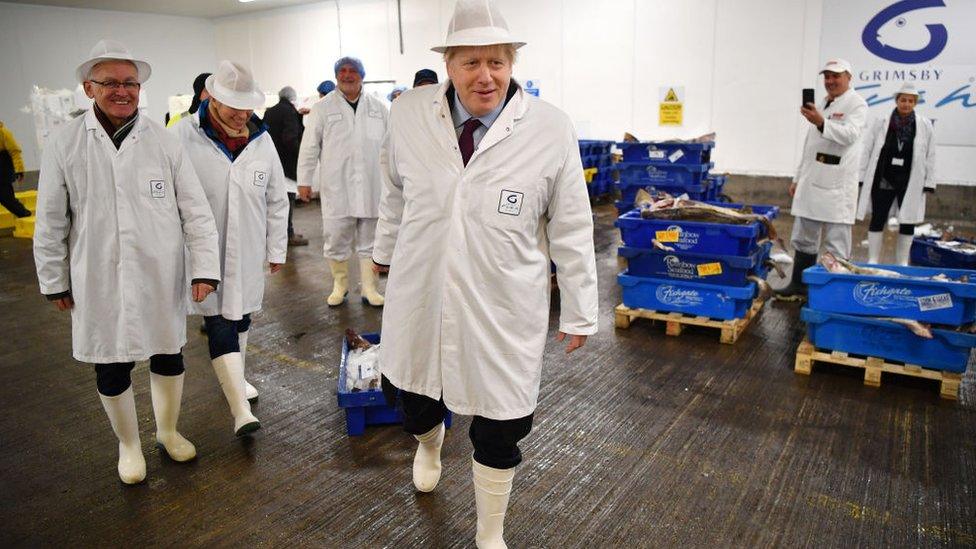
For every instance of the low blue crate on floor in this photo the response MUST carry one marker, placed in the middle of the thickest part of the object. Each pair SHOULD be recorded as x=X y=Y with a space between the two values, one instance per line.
x=664 y=152
x=695 y=236
x=948 y=350
x=727 y=270
x=366 y=407
x=693 y=298
x=643 y=174
x=933 y=301
x=927 y=253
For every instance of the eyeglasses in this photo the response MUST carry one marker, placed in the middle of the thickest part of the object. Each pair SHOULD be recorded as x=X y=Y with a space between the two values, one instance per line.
x=115 y=85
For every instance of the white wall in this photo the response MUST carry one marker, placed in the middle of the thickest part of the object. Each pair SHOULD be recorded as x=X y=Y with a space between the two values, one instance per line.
x=41 y=45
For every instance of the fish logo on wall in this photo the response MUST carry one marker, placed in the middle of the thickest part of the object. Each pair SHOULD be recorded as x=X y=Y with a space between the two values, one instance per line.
x=891 y=26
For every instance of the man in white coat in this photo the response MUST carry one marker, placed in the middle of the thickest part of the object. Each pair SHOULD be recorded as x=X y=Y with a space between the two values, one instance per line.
x=245 y=185
x=117 y=206
x=899 y=168
x=483 y=185
x=825 y=187
x=343 y=135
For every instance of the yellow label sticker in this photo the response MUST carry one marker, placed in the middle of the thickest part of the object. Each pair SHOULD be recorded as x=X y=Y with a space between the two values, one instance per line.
x=667 y=236
x=709 y=269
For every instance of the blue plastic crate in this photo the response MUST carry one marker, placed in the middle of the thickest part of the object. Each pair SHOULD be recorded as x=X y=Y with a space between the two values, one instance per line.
x=697 y=236
x=693 y=298
x=664 y=152
x=727 y=270
x=926 y=253
x=947 y=350
x=644 y=173
x=951 y=303
x=366 y=407
x=628 y=193
x=716 y=187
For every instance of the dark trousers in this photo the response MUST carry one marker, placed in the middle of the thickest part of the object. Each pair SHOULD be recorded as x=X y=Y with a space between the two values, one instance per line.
x=495 y=441
x=881 y=201
x=222 y=334
x=9 y=200
x=291 y=208
x=113 y=379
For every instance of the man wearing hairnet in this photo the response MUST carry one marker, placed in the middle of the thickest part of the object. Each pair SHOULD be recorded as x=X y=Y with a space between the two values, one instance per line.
x=483 y=185
x=343 y=135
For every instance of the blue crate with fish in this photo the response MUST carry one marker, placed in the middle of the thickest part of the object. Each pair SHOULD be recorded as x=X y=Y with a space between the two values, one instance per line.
x=697 y=236
x=914 y=295
x=628 y=192
x=367 y=407
x=693 y=298
x=947 y=350
x=957 y=253
x=643 y=174
x=716 y=187
x=667 y=152
x=726 y=270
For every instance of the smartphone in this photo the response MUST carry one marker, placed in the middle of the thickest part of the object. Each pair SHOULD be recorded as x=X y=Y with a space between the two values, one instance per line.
x=808 y=96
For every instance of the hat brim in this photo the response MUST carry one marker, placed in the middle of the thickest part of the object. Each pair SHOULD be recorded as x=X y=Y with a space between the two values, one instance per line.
x=144 y=69
x=478 y=36
x=473 y=43
x=244 y=101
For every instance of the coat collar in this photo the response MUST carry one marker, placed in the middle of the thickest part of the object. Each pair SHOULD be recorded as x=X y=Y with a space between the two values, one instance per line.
x=501 y=129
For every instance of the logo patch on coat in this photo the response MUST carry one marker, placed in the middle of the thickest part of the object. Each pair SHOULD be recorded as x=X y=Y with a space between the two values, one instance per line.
x=837 y=116
x=510 y=202
x=157 y=188
x=260 y=179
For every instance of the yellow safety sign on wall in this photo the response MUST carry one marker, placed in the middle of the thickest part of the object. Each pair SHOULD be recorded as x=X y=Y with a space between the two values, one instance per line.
x=671 y=106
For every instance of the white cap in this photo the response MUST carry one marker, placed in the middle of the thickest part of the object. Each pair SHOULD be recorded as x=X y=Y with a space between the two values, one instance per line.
x=109 y=50
x=477 y=23
x=234 y=86
x=838 y=66
x=907 y=89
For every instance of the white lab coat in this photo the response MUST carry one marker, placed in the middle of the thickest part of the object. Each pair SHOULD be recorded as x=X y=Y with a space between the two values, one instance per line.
x=250 y=205
x=469 y=248
x=345 y=146
x=827 y=192
x=921 y=175
x=112 y=228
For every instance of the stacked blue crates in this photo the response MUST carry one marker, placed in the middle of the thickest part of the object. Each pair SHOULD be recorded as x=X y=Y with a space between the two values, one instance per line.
x=708 y=271
x=851 y=313
x=596 y=157
x=673 y=167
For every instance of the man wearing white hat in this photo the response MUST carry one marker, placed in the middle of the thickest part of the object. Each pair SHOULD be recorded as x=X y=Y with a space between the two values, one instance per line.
x=824 y=189
x=342 y=138
x=236 y=161
x=898 y=166
x=118 y=207
x=483 y=185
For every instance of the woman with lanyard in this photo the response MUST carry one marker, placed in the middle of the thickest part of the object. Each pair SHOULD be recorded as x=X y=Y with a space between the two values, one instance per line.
x=237 y=164
x=898 y=165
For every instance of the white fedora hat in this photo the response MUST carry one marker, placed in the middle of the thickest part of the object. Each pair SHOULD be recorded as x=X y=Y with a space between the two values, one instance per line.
x=477 y=23
x=908 y=89
x=111 y=50
x=234 y=86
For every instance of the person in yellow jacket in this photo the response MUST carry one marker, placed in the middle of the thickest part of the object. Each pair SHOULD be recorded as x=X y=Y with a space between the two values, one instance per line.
x=11 y=169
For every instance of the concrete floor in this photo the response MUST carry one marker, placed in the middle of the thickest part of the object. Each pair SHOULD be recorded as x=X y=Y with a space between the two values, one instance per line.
x=640 y=440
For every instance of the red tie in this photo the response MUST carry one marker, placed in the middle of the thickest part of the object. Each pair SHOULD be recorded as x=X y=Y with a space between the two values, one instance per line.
x=466 y=140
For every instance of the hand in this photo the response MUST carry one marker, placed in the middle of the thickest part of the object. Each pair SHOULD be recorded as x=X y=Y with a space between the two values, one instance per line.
x=20 y=176
x=275 y=267
x=304 y=110
x=377 y=268
x=64 y=303
x=305 y=193
x=812 y=115
x=575 y=341
x=201 y=290
x=793 y=189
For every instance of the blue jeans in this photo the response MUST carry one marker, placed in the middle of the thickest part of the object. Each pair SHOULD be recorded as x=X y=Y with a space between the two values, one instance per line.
x=222 y=334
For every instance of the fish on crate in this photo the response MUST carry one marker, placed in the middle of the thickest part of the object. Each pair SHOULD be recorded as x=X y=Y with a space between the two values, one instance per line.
x=836 y=264
x=362 y=364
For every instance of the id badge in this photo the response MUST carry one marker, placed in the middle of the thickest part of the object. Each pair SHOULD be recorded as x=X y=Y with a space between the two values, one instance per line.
x=897 y=161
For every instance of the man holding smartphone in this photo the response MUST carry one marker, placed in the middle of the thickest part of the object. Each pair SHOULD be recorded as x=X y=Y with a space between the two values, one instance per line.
x=824 y=190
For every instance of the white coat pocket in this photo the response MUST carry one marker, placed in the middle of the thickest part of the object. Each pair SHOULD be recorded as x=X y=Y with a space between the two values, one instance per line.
x=374 y=125
x=510 y=206
x=826 y=176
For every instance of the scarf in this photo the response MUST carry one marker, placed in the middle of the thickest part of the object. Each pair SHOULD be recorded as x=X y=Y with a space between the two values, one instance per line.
x=119 y=134
x=902 y=126
x=234 y=140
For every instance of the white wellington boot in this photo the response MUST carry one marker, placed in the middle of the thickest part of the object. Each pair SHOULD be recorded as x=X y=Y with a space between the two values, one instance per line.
x=340 y=282
x=230 y=372
x=875 y=243
x=903 y=249
x=427 y=460
x=167 y=392
x=491 y=490
x=250 y=391
x=121 y=411
x=370 y=283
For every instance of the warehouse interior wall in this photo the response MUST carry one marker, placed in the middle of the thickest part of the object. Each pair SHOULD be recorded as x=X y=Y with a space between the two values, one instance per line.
x=43 y=45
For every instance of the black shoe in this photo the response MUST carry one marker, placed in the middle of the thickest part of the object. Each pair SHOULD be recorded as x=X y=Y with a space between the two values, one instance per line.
x=796 y=290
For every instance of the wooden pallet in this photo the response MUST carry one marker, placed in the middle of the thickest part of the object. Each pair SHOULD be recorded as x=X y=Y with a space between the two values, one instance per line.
x=807 y=354
x=675 y=323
